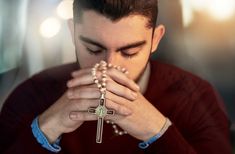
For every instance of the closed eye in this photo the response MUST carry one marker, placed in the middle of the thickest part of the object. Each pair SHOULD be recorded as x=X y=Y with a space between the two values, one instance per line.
x=93 y=52
x=128 y=55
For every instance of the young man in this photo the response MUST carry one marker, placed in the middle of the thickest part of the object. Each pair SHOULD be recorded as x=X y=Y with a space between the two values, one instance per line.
x=170 y=109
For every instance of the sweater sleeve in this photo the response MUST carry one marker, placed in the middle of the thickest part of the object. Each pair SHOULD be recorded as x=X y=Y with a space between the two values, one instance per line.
x=16 y=116
x=201 y=126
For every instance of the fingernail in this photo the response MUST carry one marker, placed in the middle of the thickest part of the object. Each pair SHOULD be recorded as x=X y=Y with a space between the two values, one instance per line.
x=137 y=87
x=69 y=84
x=73 y=116
x=73 y=74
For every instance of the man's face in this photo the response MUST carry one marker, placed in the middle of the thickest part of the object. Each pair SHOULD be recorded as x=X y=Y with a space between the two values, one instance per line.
x=126 y=43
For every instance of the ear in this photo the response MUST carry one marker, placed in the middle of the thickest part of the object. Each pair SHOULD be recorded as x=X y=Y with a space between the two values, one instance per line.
x=157 y=36
x=71 y=28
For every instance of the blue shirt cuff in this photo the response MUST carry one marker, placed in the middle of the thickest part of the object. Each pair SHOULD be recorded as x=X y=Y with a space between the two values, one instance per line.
x=41 y=138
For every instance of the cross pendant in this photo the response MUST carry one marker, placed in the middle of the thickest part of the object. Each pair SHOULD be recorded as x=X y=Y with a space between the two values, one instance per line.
x=101 y=111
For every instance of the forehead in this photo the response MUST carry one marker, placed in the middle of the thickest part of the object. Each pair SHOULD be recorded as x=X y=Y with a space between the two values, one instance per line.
x=101 y=28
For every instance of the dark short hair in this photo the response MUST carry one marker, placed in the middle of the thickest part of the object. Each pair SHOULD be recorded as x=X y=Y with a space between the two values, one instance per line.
x=117 y=9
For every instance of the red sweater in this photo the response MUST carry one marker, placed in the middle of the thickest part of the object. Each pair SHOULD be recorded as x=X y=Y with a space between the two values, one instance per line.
x=199 y=123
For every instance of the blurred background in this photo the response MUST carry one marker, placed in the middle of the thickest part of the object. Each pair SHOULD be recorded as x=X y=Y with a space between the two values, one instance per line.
x=200 y=38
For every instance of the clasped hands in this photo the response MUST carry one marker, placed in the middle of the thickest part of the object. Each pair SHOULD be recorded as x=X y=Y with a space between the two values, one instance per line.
x=134 y=113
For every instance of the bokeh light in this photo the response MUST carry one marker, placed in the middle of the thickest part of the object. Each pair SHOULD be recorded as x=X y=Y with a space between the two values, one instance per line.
x=50 y=27
x=219 y=10
x=64 y=9
x=199 y=5
x=222 y=9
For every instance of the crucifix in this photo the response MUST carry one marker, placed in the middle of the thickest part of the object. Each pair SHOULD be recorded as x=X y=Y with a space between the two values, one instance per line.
x=101 y=111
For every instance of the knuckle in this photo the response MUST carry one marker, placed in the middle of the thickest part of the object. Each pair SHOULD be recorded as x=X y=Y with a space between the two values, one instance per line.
x=119 y=109
x=111 y=105
x=78 y=93
x=122 y=110
x=75 y=105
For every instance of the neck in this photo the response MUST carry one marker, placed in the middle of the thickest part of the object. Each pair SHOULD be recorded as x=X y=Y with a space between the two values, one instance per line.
x=144 y=79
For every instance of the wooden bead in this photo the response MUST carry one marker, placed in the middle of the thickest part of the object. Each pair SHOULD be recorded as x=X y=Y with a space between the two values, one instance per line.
x=119 y=68
x=123 y=70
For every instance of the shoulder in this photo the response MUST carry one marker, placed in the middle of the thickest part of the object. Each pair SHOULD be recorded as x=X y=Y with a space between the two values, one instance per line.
x=42 y=89
x=179 y=93
x=175 y=86
x=172 y=78
x=182 y=89
x=50 y=79
x=58 y=73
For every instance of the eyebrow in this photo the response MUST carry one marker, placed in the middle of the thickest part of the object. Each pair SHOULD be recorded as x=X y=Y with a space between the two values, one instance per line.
x=126 y=47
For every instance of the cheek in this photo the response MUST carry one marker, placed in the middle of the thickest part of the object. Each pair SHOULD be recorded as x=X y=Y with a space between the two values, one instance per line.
x=135 y=67
x=87 y=61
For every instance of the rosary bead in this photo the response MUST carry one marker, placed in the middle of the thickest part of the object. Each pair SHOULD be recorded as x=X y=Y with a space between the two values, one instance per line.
x=104 y=71
x=102 y=67
x=104 y=75
x=123 y=70
x=104 y=79
x=110 y=65
x=99 y=86
x=104 y=84
x=119 y=68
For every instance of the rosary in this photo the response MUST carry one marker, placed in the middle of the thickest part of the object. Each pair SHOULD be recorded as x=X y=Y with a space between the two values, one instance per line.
x=101 y=111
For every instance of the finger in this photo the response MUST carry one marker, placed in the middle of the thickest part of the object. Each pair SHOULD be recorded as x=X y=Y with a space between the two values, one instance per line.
x=81 y=72
x=90 y=86
x=82 y=93
x=121 y=78
x=120 y=90
x=82 y=116
x=85 y=104
x=117 y=118
x=117 y=99
x=82 y=78
x=119 y=109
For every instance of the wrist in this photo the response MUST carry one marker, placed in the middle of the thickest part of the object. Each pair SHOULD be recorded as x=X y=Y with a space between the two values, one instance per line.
x=41 y=138
x=145 y=144
x=49 y=129
x=155 y=128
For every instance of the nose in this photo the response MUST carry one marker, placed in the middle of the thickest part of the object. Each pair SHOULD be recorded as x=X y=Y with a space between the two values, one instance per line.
x=111 y=57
